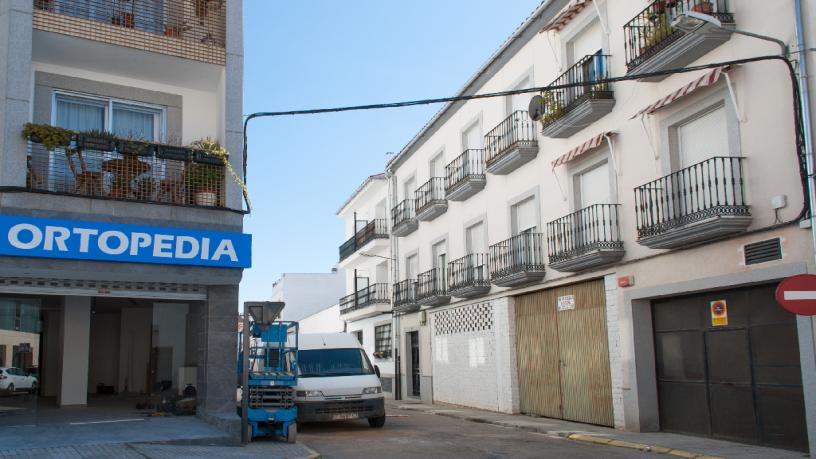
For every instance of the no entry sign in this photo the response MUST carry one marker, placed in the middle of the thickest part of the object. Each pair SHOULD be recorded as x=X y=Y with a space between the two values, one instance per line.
x=797 y=294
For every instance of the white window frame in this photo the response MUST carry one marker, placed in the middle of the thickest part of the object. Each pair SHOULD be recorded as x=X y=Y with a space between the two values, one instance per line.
x=109 y=102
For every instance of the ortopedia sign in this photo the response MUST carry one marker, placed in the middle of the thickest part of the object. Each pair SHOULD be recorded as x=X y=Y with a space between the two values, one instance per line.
x=82 y=240
x=797 y=294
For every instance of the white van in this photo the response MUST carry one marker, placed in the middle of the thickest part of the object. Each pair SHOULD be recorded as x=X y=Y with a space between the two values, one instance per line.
x=336 y=381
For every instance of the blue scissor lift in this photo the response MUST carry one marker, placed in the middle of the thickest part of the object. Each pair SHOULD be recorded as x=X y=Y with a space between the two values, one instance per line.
x=272 y=375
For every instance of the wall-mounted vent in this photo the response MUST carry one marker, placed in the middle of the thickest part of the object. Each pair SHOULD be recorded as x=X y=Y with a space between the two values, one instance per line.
x=762 y=251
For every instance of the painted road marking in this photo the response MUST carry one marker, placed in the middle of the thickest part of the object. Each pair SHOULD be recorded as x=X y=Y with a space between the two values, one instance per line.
x=800 y=295
x=104 y=422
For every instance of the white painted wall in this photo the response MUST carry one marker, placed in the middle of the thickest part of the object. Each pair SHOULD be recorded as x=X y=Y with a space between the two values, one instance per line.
x=325 y=321
x=367 y=326
x=307 y=293
x=134 y=355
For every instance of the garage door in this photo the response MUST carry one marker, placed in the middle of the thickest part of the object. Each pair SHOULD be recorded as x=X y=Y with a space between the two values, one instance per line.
x=737 y=382
x=563 y=355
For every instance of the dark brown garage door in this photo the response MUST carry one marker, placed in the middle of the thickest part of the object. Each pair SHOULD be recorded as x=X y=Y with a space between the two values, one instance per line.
x=737 y=382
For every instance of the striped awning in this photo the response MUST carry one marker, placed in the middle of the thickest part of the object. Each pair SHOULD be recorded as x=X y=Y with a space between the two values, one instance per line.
x=594 y=142
x=706 y=80
x=565 y=16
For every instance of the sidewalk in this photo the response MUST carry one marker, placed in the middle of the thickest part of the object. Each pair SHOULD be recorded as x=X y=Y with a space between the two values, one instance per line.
x=265 y=449
x=657 y=442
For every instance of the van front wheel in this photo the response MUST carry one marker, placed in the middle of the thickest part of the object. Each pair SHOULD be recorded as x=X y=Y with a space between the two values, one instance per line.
x=376 y=422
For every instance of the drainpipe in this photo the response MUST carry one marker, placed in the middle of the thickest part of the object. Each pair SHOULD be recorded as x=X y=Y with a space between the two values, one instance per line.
x=804 y=96
x=395 y=325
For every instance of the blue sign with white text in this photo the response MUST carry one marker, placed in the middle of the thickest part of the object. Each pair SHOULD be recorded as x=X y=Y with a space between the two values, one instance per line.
x=81 y=240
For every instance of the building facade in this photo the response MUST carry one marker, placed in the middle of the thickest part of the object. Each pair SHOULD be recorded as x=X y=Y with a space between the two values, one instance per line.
x=302 y=299
x=122 y=248
x=607 y=252
x=365 y=257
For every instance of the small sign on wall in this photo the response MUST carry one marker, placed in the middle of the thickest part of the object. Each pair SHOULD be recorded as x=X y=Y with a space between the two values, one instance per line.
x=719 y=313
x=566 y=302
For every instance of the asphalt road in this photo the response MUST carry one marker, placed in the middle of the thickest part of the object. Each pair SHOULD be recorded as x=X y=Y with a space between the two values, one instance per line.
x=411 y=434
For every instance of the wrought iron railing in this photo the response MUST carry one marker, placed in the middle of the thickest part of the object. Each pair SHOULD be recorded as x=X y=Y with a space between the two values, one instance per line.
x=405 y=293
x=403 y=212
x=373 y=294
x=521 y=253
x=374 y=229
x=591 y=228
x=468 y=164
x=431 y=283
x=468 y=271
x=559 y=102
x=127 y=170
x=516 y=130
x=192 y=29
x=431 y=192
x=706 y=189
x=651 y=31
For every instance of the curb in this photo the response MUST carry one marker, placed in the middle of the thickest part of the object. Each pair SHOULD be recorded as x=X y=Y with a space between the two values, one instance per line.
x=312 y=453
x=597 y=440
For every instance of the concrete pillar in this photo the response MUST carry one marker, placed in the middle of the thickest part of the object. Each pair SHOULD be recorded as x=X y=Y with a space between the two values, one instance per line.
x=76 y=332
x=233 y=99
x=217 y=351
x=15 y=88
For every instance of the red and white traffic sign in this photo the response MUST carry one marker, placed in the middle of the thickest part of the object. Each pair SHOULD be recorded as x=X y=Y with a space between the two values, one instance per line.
x=797 y=294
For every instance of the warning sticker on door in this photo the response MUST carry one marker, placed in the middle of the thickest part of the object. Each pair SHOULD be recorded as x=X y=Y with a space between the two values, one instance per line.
x=719 y=313
x=566 y=302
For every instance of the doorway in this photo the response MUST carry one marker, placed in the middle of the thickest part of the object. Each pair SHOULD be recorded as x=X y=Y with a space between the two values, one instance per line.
x=413 y=344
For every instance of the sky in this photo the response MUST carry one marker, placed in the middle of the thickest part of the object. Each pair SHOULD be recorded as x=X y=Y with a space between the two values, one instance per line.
x=326 y=53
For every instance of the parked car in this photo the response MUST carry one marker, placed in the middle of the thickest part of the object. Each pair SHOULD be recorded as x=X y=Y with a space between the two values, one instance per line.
x=336 y=381
x=14 y=379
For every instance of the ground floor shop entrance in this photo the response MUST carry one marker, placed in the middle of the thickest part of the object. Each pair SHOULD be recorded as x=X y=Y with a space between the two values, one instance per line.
x=728 y=367
x=563 y=353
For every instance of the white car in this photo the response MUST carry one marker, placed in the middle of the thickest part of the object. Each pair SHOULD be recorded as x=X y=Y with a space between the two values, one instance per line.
x=17 y=380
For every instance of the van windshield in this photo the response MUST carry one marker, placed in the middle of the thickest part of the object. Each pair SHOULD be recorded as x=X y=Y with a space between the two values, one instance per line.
x=333 y=362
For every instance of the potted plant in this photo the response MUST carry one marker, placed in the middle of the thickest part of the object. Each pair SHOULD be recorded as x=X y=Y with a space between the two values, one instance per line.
x=96 y=140
x=51 y=137
x=174 y=152
x=145 y=187
x=209 y=151
x=205 y=183
x=135 y=147
x=552 y=107
x=704 y=6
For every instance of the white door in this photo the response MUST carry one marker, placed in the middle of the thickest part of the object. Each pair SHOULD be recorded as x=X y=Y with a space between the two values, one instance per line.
x=523 y=216
x=436 y=167
x=589 y=41
x=472 y=138
x=475 y=238
x=594 y=186
x=698 y=140
x=519 y=101
x=440 y=260
x=411 y=267
x=409 y=188
x=702 y=138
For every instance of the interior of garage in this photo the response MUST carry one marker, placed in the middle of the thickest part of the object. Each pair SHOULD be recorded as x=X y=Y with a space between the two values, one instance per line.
x=100 y=356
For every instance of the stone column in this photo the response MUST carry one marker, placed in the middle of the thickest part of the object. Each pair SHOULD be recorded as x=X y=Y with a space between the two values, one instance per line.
x=15 y=88
x=218 y=338
x=76 y=332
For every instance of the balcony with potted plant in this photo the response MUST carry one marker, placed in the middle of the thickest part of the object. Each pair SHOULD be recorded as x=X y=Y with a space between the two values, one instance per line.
x=511 y=144
x=653 y=44
x=569 y=109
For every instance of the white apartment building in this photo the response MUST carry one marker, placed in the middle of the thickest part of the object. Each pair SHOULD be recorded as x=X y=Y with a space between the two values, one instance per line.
x=613 y=262
x=302 y=299
x=365 y=257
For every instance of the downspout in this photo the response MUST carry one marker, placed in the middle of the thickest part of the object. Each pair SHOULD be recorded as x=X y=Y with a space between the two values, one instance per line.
x=804 y=96
x=395 y=318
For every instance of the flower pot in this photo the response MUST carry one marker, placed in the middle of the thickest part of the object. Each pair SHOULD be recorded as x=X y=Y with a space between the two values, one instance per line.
x=206 y=198
x=134 y=147
x=93 y=142
x=203 y=157
x=174 y=152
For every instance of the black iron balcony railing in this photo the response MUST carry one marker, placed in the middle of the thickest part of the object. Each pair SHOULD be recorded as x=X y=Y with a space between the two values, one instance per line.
x=468 y=164
x=516 y=129
x=403 y=212
x=651 y=31
x=373 y=294
x=713 y=187
x=591 y=228
x=431 y=283
x=431 y=192
x=127 y=170
x=468 y=271
x=405 y=293
x=519 y=254
x=193 y=29
x=374 y=229
x=558 y=102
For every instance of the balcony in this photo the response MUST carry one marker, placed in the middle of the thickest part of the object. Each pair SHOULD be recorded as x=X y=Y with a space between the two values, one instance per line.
x=373 y=230
x=469 y=277
x=568 y=110
x=518 y=260
x=193 y=30
x=106 y=168
x=367 y=302
x=700 y=203
x=403 y=218
x=432 y=289
x=465 y=175
x=652 y=44
x=430 y=199
x=511 y=144
x=405 y=296
x=585 y=239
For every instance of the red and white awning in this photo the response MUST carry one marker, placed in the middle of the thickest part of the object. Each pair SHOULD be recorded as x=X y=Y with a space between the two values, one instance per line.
x=565 y=16
x=594 y=142
x=706 y=80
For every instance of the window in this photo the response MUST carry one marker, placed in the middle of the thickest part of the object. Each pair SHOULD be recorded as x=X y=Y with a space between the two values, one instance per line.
x=523 y=216
x=471 y=137
x=586 y=42
x=701 y=137
x=408 y=188
x=519 y=101
x=411 y=266
x=333 y=362
x=382 y=341
x=123 y=118
x=475 y=240
x=592 y=186
x=437 y=165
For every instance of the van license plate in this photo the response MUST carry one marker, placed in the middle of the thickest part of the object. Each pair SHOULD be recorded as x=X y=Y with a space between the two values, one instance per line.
x=345 y=416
